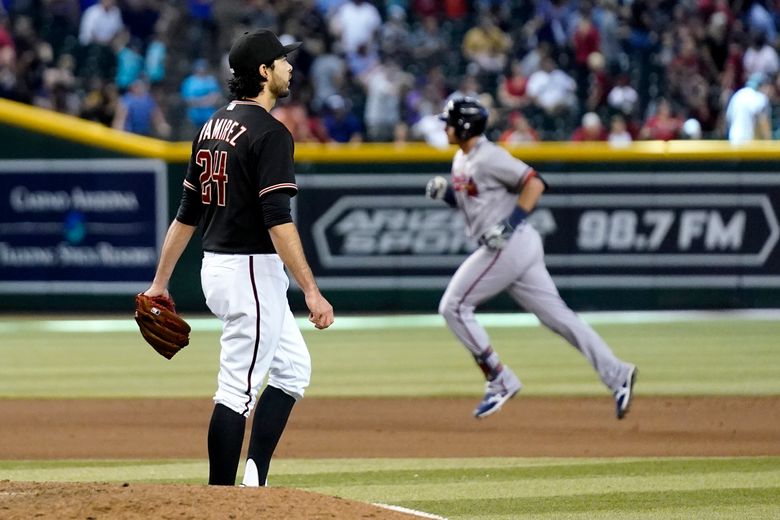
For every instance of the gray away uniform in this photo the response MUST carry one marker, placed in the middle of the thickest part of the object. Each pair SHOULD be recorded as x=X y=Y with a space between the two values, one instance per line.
x=487 y=181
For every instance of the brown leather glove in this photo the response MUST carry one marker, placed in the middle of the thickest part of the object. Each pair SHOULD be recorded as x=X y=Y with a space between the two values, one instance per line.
x=160 y=325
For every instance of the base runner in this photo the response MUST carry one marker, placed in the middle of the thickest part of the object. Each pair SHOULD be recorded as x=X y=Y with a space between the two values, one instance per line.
x=495 y=193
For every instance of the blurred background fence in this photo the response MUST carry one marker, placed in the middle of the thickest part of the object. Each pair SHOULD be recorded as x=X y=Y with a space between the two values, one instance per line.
x=651 y=225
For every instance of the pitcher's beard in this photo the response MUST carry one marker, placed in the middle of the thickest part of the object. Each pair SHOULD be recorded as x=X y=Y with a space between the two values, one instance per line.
x=280 y=90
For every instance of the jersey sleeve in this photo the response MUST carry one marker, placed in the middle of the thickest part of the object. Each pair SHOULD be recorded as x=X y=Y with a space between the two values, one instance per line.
x=275 y=165
x=510 y=171
x=190 y=207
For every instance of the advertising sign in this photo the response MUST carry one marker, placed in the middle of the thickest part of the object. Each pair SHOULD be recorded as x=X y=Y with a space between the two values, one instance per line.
x=605 y=230
x=80 y=226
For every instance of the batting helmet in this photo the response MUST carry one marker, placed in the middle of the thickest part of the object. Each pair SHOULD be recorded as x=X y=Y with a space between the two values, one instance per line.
x=466 y=115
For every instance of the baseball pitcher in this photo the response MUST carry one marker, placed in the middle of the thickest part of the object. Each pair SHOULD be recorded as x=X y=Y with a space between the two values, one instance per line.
x=238 y=189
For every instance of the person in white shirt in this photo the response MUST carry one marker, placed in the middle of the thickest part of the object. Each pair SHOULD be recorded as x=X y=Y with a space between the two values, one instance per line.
x=356 y=23
x=100 y=23
x=761 y=57
x=747 y=114
x=552 y=89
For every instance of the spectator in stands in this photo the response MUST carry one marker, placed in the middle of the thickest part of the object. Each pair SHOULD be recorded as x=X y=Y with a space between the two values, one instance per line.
x=486 y=45
x=293 y=115
x=623 y=97
x=140 y=17
x=733 y=72
x=716 y=44
x=607 y=22
x=356 y=23
x=100 y=23
x=139 y=113
x=31 y=59
x=385 y=88
x=362 y=61
x=430 y=45
x=341 y=124
x=7 y=59
x=58 y=89
x=586 y=41
x=551 y=89
x=129 y=60
x=761 y=57
x=512 y=87
x=201 y=29
x=618 y=131
x=6 y=39
x=58 y=22
x=599 y=83
x=663 y=125
x=747 y=114
x=426 y=98
x=394 y=35
x=100 y=102
x=591 y=129
x=519 y=130
x=201 y=92
x=685 y=69
x=327 y=74
x=691 y=129
x=155 y=58
x=550 y=23
x=467 y=87
x=760 y=19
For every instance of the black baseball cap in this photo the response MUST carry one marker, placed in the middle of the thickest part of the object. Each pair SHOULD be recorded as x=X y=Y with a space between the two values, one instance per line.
x=252 y=49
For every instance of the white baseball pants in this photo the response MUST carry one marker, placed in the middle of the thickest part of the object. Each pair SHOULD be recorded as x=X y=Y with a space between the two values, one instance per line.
x=259 y=334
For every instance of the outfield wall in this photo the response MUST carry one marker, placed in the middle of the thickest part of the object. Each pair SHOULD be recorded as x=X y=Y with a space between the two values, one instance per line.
x=657 y=225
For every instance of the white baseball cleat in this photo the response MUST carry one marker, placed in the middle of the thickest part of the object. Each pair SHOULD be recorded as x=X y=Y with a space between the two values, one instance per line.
x=624 y=394
x=497 y=392
x=251 y=478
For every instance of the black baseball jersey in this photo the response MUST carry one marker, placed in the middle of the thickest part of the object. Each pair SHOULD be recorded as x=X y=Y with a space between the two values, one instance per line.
x=241 y=159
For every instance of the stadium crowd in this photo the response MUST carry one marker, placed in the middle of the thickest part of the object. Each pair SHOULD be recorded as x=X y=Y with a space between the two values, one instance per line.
x=369 y=70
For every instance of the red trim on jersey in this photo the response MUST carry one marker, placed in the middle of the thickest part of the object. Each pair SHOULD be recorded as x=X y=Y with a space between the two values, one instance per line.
x=190 y=186
x=528 y=175
x=257 y=334
x=284 y=185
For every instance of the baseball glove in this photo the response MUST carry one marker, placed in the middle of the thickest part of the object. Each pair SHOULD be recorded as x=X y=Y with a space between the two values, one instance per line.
x=160 y=325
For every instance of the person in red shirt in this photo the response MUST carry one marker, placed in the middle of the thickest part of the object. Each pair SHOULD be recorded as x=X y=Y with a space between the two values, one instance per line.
x=519 y=131
x=663 y=125
x=592 y=129
x=586 y=40
x=511 y=87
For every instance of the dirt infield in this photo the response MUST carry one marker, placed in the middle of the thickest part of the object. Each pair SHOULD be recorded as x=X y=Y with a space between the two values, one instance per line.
x=414 y=427
x=377 y=427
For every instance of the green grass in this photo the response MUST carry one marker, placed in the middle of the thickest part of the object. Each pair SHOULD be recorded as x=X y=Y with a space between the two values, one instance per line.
x=688 y=358
x=728 y=357
x=491 y=488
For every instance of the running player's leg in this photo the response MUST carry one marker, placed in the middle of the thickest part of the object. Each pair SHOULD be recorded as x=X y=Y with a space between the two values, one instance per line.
x=288 y=377
x=251 y=325
x=536 y=292
x=483 y=275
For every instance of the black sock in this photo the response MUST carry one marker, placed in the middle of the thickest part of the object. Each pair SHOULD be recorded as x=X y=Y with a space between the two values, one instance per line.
x=489 y=363
x=226 y=435
x=271 y=414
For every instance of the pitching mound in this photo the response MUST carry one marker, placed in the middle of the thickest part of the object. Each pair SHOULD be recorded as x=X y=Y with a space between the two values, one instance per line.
x=25 y=500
